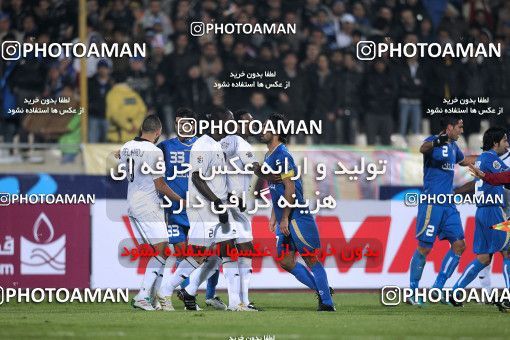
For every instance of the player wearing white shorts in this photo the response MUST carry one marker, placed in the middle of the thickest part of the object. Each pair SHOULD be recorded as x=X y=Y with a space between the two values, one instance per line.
x=207 y=227
x=236 y=146
x=144 y=210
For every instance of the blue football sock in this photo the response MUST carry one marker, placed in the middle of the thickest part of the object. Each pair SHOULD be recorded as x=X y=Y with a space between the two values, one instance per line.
x=448 y=266
x=321 y=281
x=506 y=272
x=417 y=265
x=304 y=276
x=186 y=280
x=210 y=291
x=469 y=274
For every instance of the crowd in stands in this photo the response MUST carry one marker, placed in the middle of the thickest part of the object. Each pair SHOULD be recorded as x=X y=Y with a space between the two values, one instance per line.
x=327 y=80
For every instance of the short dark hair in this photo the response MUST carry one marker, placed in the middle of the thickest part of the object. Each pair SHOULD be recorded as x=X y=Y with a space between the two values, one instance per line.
x=151 y=123
x=275 y=118
x=239 y=113
x=217 y=114
x=449 y=120
x=492 y=136
x=184 y=112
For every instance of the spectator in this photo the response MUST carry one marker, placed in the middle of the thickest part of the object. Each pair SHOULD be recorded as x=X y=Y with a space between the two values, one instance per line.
x=258 y=106
x=379 y=95
x=321 y=89
x=411 y=81
x=344 y=37
x=99 y=86
x=155 y=15
x=498 y=85
x=193 y=92
x=121 y=16
x=347 y=95
x=444 y=81
x=125 y=111
x=140 y=81
x=70 y=135
x=293 y=100
x=330 y=27
x=327 y=25
x=408 y=25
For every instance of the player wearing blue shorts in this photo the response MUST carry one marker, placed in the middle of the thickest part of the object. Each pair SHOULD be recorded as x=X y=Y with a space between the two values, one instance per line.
x=294 y=228
x=440 y=154
x=489 y=212
x=176 y=154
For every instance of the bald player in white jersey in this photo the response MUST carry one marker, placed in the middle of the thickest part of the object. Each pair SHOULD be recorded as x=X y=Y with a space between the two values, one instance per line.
x=144 y=210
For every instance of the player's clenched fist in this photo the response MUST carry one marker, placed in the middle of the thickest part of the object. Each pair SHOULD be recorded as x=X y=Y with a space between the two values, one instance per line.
x=442 y=139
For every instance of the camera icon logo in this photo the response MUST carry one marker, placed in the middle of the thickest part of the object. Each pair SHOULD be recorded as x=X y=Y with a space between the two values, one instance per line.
x=391 y=296
x=411 y=199
x=5 y=199
x=187 y=127
x=197 y=28
x=11 y=50
x=366 y=50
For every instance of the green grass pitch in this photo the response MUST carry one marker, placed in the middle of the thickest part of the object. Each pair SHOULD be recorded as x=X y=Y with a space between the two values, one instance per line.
x=285 y=315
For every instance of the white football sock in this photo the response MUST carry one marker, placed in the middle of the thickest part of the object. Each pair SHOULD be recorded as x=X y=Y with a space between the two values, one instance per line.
x=157 y=282
x=231 y=272
x=152 y=270
x=245 y=271
x=204 y=272
x=485 y=277
x=170 y=281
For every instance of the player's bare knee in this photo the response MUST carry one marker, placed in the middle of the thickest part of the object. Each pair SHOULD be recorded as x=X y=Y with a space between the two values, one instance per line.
x=160 y=250
x=424 y=251
x=288 y=263
x=484 y=259
x=310 y=261
x=458 y=247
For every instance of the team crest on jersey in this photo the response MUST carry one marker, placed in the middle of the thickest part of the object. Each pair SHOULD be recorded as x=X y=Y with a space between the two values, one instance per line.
x=496 y=165
x=249 y=154
x=200 y=159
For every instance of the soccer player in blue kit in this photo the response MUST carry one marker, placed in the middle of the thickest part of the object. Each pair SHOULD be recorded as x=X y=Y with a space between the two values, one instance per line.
x=294 y=228
x=176 y=154
x=489 y=212
x=440 y=154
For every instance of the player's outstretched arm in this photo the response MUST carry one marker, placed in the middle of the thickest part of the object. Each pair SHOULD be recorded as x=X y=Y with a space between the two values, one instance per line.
x=164 y=189
x=500 y=178
x=471 y=159
x=467 y=188
x=289 y=194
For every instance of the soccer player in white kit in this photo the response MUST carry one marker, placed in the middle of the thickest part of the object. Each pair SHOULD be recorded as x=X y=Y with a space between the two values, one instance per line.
x=236 y=146
x=144 y=210
x=209 y=224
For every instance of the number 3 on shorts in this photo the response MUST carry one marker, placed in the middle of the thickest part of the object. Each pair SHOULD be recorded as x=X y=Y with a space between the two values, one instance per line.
x=430 y=230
